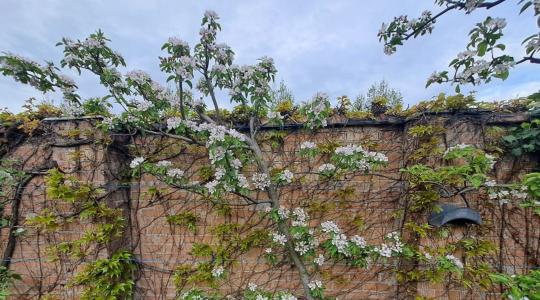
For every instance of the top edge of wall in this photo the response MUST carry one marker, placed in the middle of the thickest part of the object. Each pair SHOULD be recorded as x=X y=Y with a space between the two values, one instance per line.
x=490 y=117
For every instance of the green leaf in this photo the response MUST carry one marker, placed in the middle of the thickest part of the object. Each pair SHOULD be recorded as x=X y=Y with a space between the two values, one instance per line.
x=525 y=7
x=482 y=47
x=501 y=46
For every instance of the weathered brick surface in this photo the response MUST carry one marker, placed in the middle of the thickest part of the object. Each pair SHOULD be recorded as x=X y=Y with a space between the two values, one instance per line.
x=370 y=209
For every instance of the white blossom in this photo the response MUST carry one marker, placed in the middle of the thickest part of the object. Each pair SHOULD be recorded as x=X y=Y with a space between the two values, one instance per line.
x=349 y=150
x=376 y=156
x=319 y=260
x=490 y=183
x=279 y=238
x=300 y=217
x=236 y=163
x=274 y=115
x=491 y=160
x=308 y=145
x=534 y=43
x=137 y=161
x=218 y=271
x=219 y=173
x=283 y=213
x=384 y=250
x=175 y=173
x=216 y=154
x=72 y=109
x=455 y=261
x=330 y=227
x=286 y=176
x=144 y=105
x=316 y=284
x=211 y=14
x=260 y=180
x=341 y=243
x=466 y=54
x=207 y=34
x=223 y=53
x=174 y=122
x=359 y=241
x=261 y=297
x=435 y=77
x=497 y=23
x=70 y=58
x=324 y=168
x=302 y=247
x=242 y=181
x=389 y=50
x=252 y=286
x=92 y=43
x=138 y=76
x=470 y=5
x=287 y=297
x=211 y=186
x=164 y=163
x=218 y=69
x=177 y=42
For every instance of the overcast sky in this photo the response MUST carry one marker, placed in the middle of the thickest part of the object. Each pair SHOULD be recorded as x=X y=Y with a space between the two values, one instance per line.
x=328 y=46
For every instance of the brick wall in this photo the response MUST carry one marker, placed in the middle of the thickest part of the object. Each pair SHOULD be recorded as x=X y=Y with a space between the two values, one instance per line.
x=369 y=207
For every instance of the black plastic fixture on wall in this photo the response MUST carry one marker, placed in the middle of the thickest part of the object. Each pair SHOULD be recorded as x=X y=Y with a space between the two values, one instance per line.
x=451 y=214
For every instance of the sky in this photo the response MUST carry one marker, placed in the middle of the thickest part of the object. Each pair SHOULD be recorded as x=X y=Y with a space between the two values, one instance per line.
x=317 y=46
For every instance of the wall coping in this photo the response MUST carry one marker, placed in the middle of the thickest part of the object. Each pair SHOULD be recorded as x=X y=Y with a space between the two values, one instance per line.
x=490 y=117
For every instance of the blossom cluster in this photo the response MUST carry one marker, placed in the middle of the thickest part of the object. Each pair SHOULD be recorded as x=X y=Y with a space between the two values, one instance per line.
x=252 y=84
x=506 y=195
x=340 y=240
x=496 y=23
x=471 y=5
x=217 y=133
x=279 y=238
x=286 y=176
x=326 y=168
x=533 y=44
x=218 y=271
x=42 y=77
x=317 y=110
x=136 y=162
x=395 y=246
x=300 y=217
x=354 y=157
x=454 y=260
x=138 y=76
x=177 y=42
x=319 y=260
x=185 y=67
x=394 y=33
x=308 y=145
x=308 y=149
x=260 y=180
x=316 y=284
x=275 y=115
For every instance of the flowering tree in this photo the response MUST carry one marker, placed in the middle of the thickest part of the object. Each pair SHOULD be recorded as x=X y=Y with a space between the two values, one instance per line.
x=234 y=170
x=484 y=58
x=206 y=67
